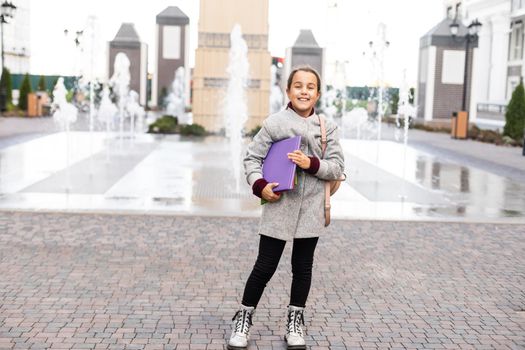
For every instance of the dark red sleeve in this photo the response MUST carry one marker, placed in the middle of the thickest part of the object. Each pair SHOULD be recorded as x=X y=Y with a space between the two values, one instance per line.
x=258 y=186
x=314 y=165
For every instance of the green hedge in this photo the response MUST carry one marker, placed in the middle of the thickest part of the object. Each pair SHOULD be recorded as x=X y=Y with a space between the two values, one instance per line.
x=166 y=124
x=193 y=130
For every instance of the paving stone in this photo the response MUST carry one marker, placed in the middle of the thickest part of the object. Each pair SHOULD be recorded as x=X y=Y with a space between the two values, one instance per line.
x=101 y=281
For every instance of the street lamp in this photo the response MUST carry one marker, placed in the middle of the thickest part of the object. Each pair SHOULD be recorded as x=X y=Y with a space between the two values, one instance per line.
x=470 y=37
x=7 y=10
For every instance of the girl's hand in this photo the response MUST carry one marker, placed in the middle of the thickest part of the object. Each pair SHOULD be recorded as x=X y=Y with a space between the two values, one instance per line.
x=268 y=194
x=300 y=159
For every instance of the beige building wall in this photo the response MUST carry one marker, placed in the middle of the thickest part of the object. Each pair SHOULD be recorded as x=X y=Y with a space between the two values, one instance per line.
x=217 y=19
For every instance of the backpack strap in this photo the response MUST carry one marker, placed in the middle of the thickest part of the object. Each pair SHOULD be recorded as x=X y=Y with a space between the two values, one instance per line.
x=323 y=135
x=327 y=205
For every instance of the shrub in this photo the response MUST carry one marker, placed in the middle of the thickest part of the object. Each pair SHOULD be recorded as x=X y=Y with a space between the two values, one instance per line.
x=426 y=127
x=69 y=96
x=474 y=132
x=507 y=140
x=489 y=136
x=166 y=124
x=515 y=115
x=193 y=130
x=254 y=131
x=394 y=102
x=25 y=89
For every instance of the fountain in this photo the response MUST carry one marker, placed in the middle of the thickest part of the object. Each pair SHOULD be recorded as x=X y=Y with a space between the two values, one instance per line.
x=135 y=111
x=276 y=95
x=328 y=101
x=355 y=119
x=64 y=113
x=377 y=56
x=235 y=103
x=91 y=29
x=175 y=105
x=120 y=83
x=107 y=111
x=408 y=111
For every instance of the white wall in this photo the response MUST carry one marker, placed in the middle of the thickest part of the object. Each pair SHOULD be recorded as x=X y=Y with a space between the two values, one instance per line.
x=490 y=62
x=17 y=45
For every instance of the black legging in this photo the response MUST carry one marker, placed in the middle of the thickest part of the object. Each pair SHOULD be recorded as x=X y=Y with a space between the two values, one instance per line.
x=270 y=251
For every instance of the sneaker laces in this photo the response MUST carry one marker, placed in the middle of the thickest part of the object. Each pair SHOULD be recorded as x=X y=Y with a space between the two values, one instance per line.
x=295 y=319
x=243 y=321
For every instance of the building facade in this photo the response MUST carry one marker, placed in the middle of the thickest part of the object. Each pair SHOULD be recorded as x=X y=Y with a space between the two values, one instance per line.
x=516 y=62
x=172 y=42
x=494 y=75
x=17 y=50
x=441 y=74
x=497 y=62
x=217 y=19
x=128 y=42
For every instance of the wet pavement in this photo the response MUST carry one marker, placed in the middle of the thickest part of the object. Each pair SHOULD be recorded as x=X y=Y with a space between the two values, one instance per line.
x=111 y=242
x=101 y=172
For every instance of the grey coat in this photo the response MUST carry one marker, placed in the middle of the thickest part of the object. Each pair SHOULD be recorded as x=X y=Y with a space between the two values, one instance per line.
x=299 y=213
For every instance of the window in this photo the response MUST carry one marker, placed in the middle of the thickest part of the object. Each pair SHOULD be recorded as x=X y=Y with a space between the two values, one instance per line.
x=171 y=42
x=516 y=52
x=517 y=4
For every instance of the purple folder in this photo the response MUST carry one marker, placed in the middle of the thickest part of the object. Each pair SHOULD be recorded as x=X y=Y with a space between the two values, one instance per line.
x=277 y=167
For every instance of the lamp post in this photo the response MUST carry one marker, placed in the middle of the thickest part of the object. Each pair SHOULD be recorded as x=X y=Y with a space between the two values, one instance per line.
x=470 y=37
x=7 y=10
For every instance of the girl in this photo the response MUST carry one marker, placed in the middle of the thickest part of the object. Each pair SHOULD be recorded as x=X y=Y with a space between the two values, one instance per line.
x=296 y=215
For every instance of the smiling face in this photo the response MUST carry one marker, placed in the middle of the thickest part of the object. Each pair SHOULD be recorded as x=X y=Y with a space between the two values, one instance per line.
x=303 y=92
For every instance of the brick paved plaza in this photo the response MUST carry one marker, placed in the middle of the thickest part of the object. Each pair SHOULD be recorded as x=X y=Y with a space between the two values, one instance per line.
x=88 y=281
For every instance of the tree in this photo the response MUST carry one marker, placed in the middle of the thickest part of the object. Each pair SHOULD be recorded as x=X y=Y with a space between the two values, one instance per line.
x=394 y=102
x=7 y=84
x=25 y=89
x=515 y=115
x=411 y=95
x=42 y=83
x=162 y=97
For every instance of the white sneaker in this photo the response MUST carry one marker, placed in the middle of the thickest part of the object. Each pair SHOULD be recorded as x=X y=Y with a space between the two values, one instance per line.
x=294 y=333
x=241 y=328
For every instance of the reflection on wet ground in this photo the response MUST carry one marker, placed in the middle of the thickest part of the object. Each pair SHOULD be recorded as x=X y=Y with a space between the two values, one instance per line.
x=438 y=188
x=170 y=174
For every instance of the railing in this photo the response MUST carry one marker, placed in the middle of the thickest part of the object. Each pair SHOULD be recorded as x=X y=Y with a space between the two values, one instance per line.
x=495 y=111
x=492 y=107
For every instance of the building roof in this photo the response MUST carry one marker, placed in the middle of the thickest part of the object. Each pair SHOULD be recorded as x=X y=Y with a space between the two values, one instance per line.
x=443 y=28
x=172 y=15
x=306 y=39
x=440 y=35
x=127 y=34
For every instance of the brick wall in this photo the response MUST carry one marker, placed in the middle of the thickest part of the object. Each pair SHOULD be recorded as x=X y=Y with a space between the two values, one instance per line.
x=448 y=97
